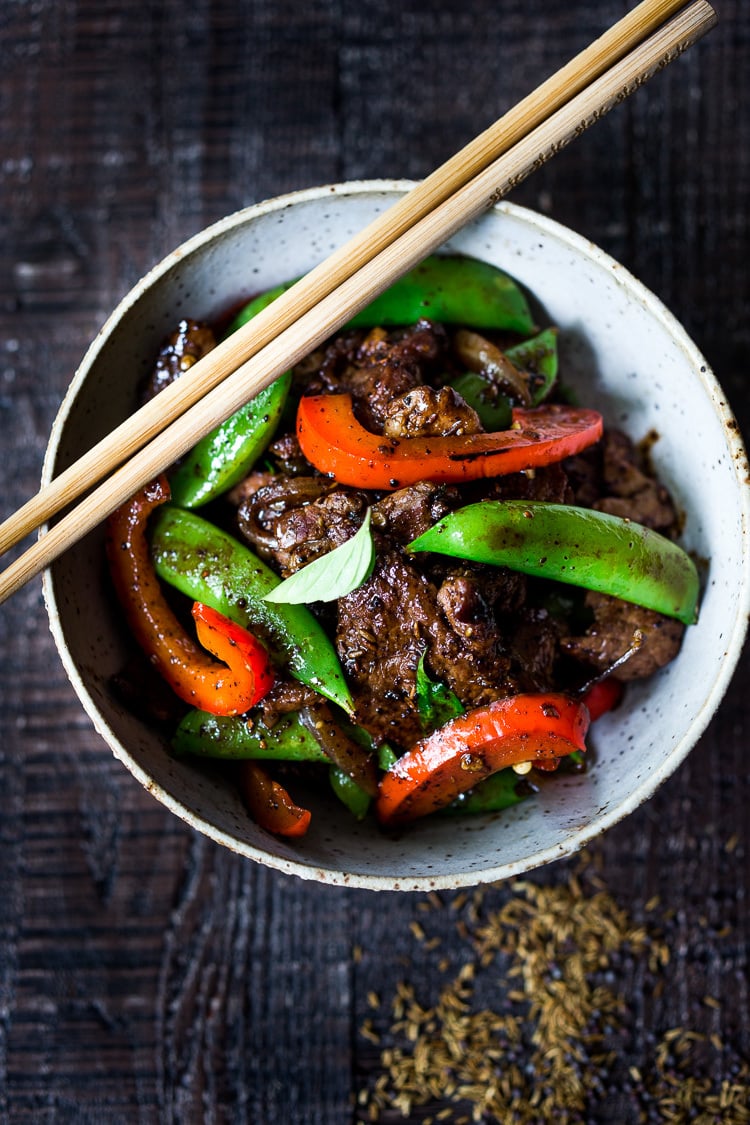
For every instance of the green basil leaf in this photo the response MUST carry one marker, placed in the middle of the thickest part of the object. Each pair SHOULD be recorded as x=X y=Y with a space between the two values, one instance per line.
x=331 y=576
x=436 y=703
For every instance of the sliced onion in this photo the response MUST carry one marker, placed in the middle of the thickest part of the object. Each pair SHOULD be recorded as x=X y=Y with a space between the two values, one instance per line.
x=486 y=359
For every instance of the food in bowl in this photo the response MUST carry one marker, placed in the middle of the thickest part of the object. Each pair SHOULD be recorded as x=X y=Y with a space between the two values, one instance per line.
x=425 y=570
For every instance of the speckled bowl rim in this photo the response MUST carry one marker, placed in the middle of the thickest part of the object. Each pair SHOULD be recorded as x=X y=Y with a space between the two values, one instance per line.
x=600 y=823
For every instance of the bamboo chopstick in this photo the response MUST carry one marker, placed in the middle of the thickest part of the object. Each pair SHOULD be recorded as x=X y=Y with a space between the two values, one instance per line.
x=329 y=313
x=145 y=423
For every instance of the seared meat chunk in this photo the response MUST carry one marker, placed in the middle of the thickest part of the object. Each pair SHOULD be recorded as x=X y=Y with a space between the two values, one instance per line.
x=378 y=368
x=293 y=520
x=549 y=483
x=630 y=491
x=621 y=627
x=286 y=696
x=612 y=477
x=187 y=344
x=427 y=412
x=248 y=486
x=408 y=512
x=535 y=649
x=288 y=457
x=386 y=625
x=468 y=613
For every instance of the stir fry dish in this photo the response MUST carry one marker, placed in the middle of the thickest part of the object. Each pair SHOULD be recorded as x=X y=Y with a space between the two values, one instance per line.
x=411 y=572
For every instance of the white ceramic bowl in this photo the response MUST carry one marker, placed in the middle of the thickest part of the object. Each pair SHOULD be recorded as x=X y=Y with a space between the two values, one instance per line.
x=625 y=354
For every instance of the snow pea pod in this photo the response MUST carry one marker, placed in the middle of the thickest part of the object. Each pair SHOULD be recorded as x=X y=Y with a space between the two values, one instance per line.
x=288 y=740
x=449 y=289
x=349 y=793
x=215 y=736
x=222 y=458
x=257 y=304
x=575 y=545
x=212 y=567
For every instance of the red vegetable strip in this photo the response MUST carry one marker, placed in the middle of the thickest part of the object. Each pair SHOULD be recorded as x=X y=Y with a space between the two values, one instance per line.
x=270 y=805
x=536 y=727
x=603 y=696
x=333 y=441
x=245 y=656
x=191 y=673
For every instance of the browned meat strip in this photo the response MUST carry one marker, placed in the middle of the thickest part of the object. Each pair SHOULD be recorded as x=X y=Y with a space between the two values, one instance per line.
x=386 y=625
x=535 y=649
x=427 y=412
x=408 y=512
x=294 y=520
x=620 y=627
x=286 y=696
x=549 y=483
x=613 y=478
x=188 y=343
x=288 y=457
x=378 y=368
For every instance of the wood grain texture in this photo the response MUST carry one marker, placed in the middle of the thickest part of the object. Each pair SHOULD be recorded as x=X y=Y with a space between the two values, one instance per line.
x=147 y=975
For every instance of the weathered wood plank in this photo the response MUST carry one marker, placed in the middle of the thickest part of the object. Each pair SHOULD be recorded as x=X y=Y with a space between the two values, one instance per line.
x=145 y=974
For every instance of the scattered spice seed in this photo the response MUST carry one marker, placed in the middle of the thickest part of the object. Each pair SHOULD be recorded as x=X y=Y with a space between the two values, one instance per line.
x=368 y=1032
x=548 y=1051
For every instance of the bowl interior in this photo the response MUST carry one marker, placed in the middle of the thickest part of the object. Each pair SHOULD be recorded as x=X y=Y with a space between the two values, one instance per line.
x=621 y=351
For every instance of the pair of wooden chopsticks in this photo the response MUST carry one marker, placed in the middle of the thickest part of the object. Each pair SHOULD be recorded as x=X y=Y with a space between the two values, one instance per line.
x=605 y=73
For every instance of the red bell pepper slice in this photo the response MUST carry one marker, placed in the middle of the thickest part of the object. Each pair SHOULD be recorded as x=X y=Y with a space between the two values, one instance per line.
x=603 y=696
x=334 y=442
x=270 y=805
x=245 y=656
x=540 y=728
x=230 y=688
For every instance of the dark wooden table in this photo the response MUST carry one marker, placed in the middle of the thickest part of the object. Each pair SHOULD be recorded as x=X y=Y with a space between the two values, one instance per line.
x=147 y=975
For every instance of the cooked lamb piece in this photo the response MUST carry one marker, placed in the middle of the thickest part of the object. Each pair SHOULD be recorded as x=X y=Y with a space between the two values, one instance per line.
x=187 y=344
x=629 y=491
x=427 y=412
x=293 y=520
x=612 y=478
x=286 y=696
x=467 y=612
x=549 y=483
x=386 y=625
x=619 y=627
x=535 y=649
x=287 y=456
x=378 y=368
x=409 y=512
x=248 y=486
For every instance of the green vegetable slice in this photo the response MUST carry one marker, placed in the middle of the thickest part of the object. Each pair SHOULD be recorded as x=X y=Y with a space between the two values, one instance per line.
x=332 y=575
x=579 y=546
x=233 y=737
x=209 y=566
